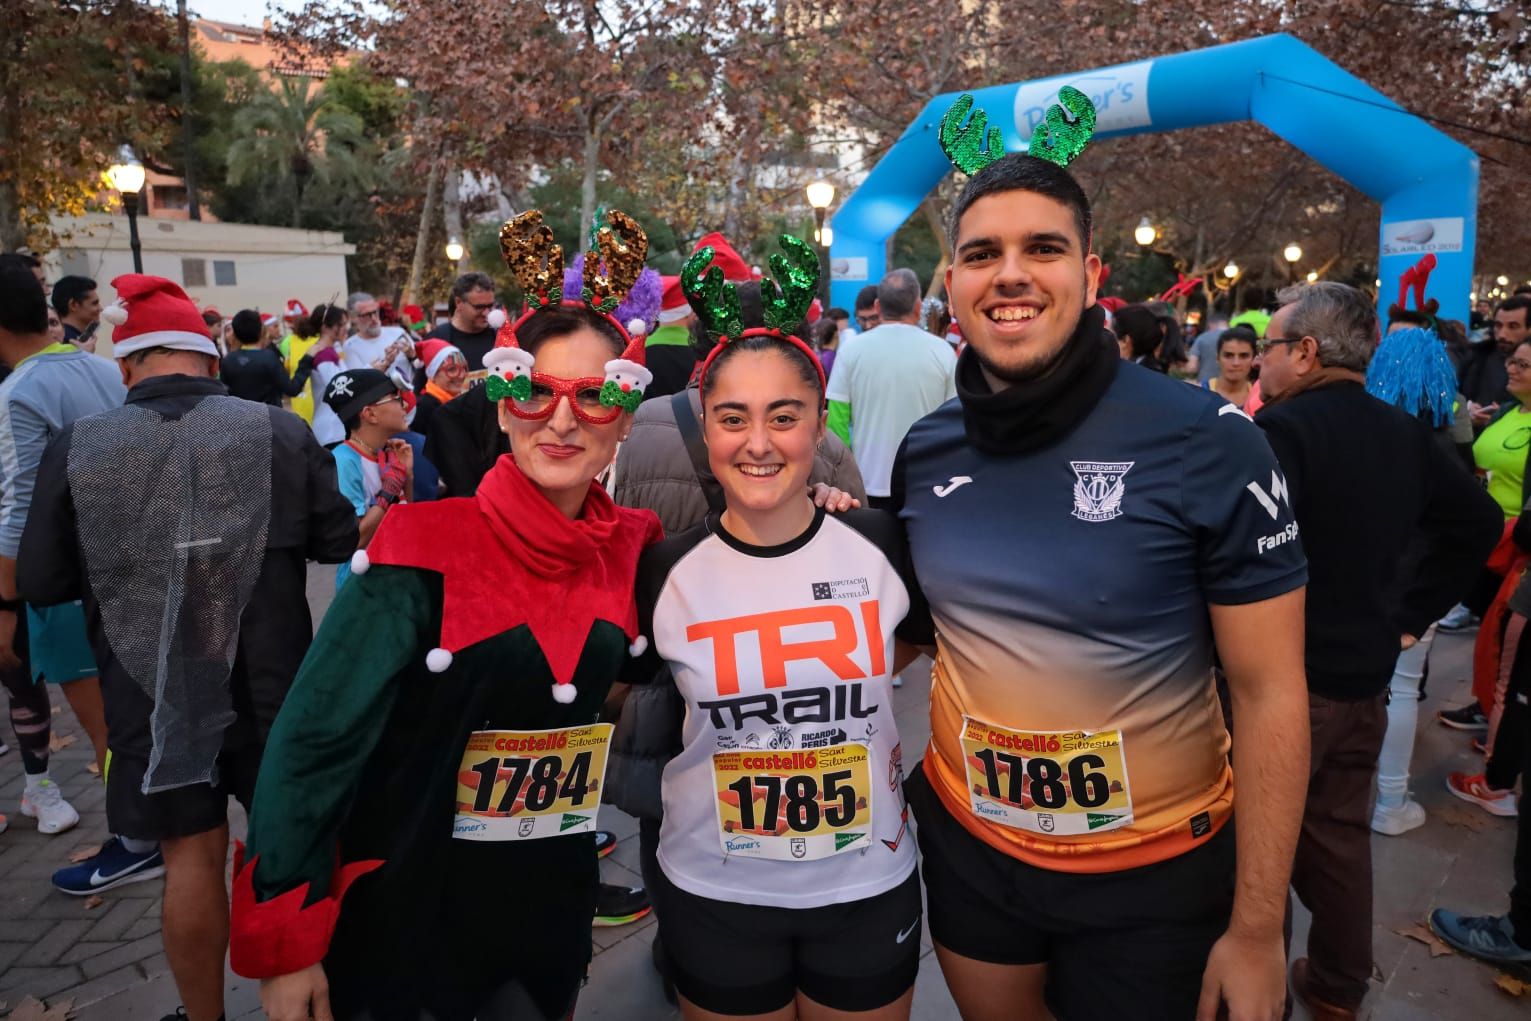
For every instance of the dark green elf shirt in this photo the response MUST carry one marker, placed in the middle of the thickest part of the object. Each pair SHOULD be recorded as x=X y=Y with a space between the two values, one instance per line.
x=363 y=765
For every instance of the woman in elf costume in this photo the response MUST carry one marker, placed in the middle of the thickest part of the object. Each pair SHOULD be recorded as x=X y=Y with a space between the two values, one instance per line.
x=421 y=843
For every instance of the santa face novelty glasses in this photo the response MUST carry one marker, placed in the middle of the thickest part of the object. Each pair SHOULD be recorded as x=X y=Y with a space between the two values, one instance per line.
x=583 y=395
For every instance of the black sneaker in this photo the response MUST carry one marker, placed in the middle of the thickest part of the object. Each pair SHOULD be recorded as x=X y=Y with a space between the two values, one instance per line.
x=605 y=843
x=620 y=905
x=1467 y=717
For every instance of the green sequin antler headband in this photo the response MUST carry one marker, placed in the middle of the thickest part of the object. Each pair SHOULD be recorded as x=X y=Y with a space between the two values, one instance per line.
x=974 y=145
x=784 y=301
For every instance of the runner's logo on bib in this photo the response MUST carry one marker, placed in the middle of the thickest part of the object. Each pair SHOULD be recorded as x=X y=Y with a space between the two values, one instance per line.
x=1061 y=783
x=530 y=784
x=794 y=805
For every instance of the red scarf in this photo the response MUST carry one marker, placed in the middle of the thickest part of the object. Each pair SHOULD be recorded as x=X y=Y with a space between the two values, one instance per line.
x=508 y=557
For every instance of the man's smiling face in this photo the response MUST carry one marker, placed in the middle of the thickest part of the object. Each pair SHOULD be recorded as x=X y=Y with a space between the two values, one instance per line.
x=1019 y=280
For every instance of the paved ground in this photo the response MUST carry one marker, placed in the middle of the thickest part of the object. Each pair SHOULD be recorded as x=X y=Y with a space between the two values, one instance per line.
x=107 y=959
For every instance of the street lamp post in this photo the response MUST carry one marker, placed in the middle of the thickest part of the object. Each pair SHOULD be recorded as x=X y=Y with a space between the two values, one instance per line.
x=1292 y=253
x=1144 y=233
x=454 y=251
x=820 y=195
x=127 y=179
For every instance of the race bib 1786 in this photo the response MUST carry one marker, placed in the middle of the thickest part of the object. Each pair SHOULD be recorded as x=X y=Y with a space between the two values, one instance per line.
x=529 y=784
x=794 y=805
x=1057 y=782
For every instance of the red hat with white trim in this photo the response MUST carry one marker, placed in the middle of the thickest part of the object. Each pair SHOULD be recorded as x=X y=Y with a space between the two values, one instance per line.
x=673 y=306
x=432 y=354
x=154 y=312
x=295 y=310
x=735 y=269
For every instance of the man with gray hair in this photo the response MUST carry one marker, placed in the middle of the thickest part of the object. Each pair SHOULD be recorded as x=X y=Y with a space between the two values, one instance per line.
x=375 y=346
x=1370 y=490
x=886 y=379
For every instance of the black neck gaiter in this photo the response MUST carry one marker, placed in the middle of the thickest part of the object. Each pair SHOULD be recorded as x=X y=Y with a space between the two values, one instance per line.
x=1038 y=412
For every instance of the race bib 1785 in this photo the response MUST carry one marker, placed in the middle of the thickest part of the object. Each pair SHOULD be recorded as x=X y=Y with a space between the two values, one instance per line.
x=529 y=784
x=794 y=805
x=1056 y=782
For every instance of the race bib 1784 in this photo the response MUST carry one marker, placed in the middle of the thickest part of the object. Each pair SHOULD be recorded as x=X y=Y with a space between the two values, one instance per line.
x=794 y=805
x=529 y=784
x=1065 y=783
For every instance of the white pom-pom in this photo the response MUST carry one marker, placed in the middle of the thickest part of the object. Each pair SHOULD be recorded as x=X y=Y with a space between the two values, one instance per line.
x=639 y=647
x=115 y=313
x=360 y=562
x=496 y=318
x=564 y=693
x=418 y=364
x=437 y=660
x=637 y=327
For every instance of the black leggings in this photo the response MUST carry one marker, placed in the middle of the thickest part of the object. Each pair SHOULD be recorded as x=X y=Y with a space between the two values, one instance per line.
x=31 y=717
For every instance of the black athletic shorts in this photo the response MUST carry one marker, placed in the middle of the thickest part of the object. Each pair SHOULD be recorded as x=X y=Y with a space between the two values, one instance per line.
x=742 y=959
x=1129 y=944
x=182 y=811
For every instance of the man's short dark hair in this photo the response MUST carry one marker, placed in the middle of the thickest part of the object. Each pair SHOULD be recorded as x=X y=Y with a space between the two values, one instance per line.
x=1020 y=172
x=1514 y=303
x=69 y=289
x=1522 y=289
x=838 y=314
x=23 y=309
x=471 y=282
x=247 y=326
x=866 y=297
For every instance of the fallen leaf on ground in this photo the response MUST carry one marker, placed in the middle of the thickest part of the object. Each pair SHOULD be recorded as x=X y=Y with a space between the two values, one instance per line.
x=1421 y=933
x=32 y=1009
x=1512 y=985
x=84 y=854
x=93 y=769
x=93 y=901
x=58 y=742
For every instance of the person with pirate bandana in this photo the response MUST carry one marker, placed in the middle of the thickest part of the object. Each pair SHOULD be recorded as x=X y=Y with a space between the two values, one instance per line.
x=422 y=839
x=1076 y=804
x=787 y=874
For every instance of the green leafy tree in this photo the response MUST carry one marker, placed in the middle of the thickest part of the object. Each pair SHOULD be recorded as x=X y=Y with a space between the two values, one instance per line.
x=294 y=136
x=74 y=84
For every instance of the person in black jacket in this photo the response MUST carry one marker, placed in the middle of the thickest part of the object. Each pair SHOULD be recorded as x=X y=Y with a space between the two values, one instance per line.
x=184 y=520
x=255 y=373
x=1365 y=480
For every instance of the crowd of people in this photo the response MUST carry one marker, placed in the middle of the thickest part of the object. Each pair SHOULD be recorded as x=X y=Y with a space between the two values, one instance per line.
x=668 y=543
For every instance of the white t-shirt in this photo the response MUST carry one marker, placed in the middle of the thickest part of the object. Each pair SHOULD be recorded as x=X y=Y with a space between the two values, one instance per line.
x=892 y=376
x=789 y=789
x=360 y=352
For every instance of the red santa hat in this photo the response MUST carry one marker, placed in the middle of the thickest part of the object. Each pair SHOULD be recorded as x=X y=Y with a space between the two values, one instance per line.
x=673 y=306
x=432 y=354
x=295 y=310
x=735 y=270
x=154 y=312
x=267 y=318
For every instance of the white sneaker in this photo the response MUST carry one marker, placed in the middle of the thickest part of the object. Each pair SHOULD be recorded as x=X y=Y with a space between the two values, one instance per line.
x=1392 y=822
x=45 y=803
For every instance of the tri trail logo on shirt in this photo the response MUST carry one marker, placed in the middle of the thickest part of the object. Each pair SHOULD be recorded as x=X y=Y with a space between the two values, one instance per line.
x=1098 y=488
x=846 y=588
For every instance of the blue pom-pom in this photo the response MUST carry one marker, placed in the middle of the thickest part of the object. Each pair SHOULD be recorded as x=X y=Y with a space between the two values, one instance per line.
x=1410 y=369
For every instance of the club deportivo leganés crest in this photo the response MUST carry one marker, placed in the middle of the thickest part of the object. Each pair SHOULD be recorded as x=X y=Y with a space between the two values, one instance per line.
x=1098 y=489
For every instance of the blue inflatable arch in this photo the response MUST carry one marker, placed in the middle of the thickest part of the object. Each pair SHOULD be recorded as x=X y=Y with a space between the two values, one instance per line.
x=1426 y=183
